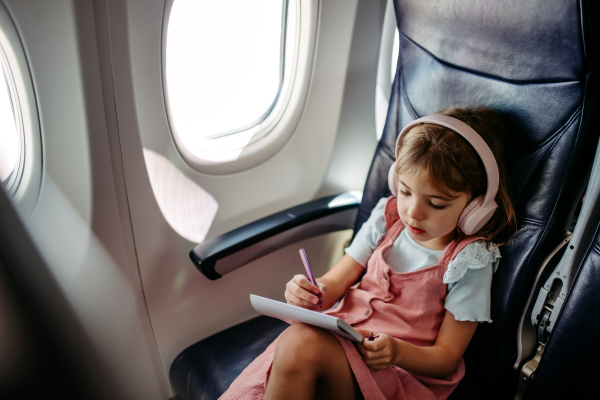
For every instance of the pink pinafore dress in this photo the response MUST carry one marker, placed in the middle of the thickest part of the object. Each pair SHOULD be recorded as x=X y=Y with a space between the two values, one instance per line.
x=408 y=306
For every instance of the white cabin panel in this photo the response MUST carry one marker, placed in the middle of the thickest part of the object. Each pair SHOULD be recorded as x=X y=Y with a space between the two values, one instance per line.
x=184 y=306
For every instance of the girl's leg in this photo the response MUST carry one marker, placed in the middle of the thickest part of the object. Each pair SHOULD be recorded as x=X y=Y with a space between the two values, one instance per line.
x=309 y=361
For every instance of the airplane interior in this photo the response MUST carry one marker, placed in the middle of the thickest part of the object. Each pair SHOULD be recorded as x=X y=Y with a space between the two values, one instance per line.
x=161 y=160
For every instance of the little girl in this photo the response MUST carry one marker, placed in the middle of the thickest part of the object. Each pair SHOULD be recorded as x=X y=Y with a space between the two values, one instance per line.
x=429 y=253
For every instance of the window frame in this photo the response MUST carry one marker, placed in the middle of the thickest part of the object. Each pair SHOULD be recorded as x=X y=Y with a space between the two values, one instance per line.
x=25 y=180
x=11 y=184
x=221 y=155
x=385 y=68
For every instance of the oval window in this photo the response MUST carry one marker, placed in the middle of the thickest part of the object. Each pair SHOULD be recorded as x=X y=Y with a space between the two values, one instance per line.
x=386 y=70
x=20 y=142
x=11 y=129
x=227 y=70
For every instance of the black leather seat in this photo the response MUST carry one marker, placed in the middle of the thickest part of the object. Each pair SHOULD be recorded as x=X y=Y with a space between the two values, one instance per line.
x=570 y=366
x=206 y=369
x=534 y=62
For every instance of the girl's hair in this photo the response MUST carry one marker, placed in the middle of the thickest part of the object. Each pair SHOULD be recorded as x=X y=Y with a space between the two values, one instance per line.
x=451 y=164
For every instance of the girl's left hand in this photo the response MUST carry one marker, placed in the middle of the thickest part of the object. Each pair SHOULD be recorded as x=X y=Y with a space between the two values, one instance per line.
x=379 y=353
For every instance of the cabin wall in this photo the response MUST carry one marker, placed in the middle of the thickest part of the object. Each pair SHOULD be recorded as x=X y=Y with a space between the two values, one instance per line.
x=77 y=220
x=124 y=268
x=183 y=305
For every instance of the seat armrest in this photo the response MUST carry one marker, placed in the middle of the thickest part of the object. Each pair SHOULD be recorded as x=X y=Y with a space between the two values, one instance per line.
x=234 y=249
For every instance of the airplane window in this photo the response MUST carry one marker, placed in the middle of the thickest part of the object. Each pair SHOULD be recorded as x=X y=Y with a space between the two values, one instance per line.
x=20 y=136
x=11 y=132
x=395 y=51
x=386 y=70
x=227 y=70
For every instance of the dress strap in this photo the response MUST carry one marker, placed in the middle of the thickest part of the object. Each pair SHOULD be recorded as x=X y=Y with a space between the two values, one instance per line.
x=464 y=243
x=391 y=212
x=456 y=246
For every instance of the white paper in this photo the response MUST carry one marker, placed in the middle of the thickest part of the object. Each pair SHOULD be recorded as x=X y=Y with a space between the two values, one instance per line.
x=277 y=309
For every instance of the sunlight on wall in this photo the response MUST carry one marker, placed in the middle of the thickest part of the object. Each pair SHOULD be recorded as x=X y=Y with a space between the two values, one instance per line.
x=187 y=207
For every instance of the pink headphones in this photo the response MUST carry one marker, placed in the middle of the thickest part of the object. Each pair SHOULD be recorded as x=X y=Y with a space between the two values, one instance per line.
x=479 y=211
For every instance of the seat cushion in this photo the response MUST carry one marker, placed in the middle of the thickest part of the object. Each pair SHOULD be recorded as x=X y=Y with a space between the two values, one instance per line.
x=205 y=370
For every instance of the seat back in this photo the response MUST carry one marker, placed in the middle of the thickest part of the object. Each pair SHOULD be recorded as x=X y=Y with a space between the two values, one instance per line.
x=535 y=63
x=569 y=366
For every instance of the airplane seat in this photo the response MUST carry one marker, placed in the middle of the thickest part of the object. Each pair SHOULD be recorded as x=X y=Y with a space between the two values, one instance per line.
x=533 y=62
x=568 y=367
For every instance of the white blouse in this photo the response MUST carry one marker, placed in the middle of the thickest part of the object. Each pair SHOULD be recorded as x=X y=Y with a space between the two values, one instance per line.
x=469 y=274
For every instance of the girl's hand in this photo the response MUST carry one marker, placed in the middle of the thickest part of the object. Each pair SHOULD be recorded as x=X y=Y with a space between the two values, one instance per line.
x=302 y=293
x=379 y=353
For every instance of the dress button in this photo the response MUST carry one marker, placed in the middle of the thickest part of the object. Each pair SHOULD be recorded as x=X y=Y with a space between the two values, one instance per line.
x=367 y=312
x=385 y=277
x=386 y=297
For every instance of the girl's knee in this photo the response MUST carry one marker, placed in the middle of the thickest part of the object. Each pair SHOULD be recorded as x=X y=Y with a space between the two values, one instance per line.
x=310 y=355
x=300 y=344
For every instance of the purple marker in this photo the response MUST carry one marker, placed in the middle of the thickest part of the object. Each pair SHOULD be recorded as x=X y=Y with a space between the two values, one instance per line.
x=309 y=273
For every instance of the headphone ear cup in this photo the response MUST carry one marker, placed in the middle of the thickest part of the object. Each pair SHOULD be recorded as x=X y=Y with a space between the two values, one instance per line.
x=392 y=179
x=468 y=211
x=476 y=215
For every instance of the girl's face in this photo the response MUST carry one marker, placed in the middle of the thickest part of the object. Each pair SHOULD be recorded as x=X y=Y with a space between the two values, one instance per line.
x=429 y=215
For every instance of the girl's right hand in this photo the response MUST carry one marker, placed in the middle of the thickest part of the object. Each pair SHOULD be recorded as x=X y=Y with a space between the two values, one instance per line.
x=301 y=292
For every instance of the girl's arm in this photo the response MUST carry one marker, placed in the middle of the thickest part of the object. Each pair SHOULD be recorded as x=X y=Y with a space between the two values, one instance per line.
x=338 y=279
x=300 y=292
x=439 y=360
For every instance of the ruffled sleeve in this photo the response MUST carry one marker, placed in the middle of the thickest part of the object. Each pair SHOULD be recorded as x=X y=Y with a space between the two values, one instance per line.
x=369 y=235
x=469 y=279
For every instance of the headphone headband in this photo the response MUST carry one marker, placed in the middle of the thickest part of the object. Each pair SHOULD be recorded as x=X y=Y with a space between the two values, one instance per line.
x=480 y=146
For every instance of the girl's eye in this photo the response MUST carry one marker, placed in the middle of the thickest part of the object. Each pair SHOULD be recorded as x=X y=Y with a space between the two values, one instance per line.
x=403 y=193
x=437 y=207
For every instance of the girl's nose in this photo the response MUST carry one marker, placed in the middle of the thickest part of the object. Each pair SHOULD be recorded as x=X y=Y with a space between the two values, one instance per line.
x=415 y=211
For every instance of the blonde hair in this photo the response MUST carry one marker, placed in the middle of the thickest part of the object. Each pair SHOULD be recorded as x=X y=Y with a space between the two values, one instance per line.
x=451 y=164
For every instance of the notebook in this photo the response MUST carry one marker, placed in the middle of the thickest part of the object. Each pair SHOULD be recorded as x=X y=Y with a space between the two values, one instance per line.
x=286 y=312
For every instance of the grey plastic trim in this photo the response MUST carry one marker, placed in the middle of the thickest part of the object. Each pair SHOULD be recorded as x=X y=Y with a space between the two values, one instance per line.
x=565 y=270
x=583 y=234
x=527 y=333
